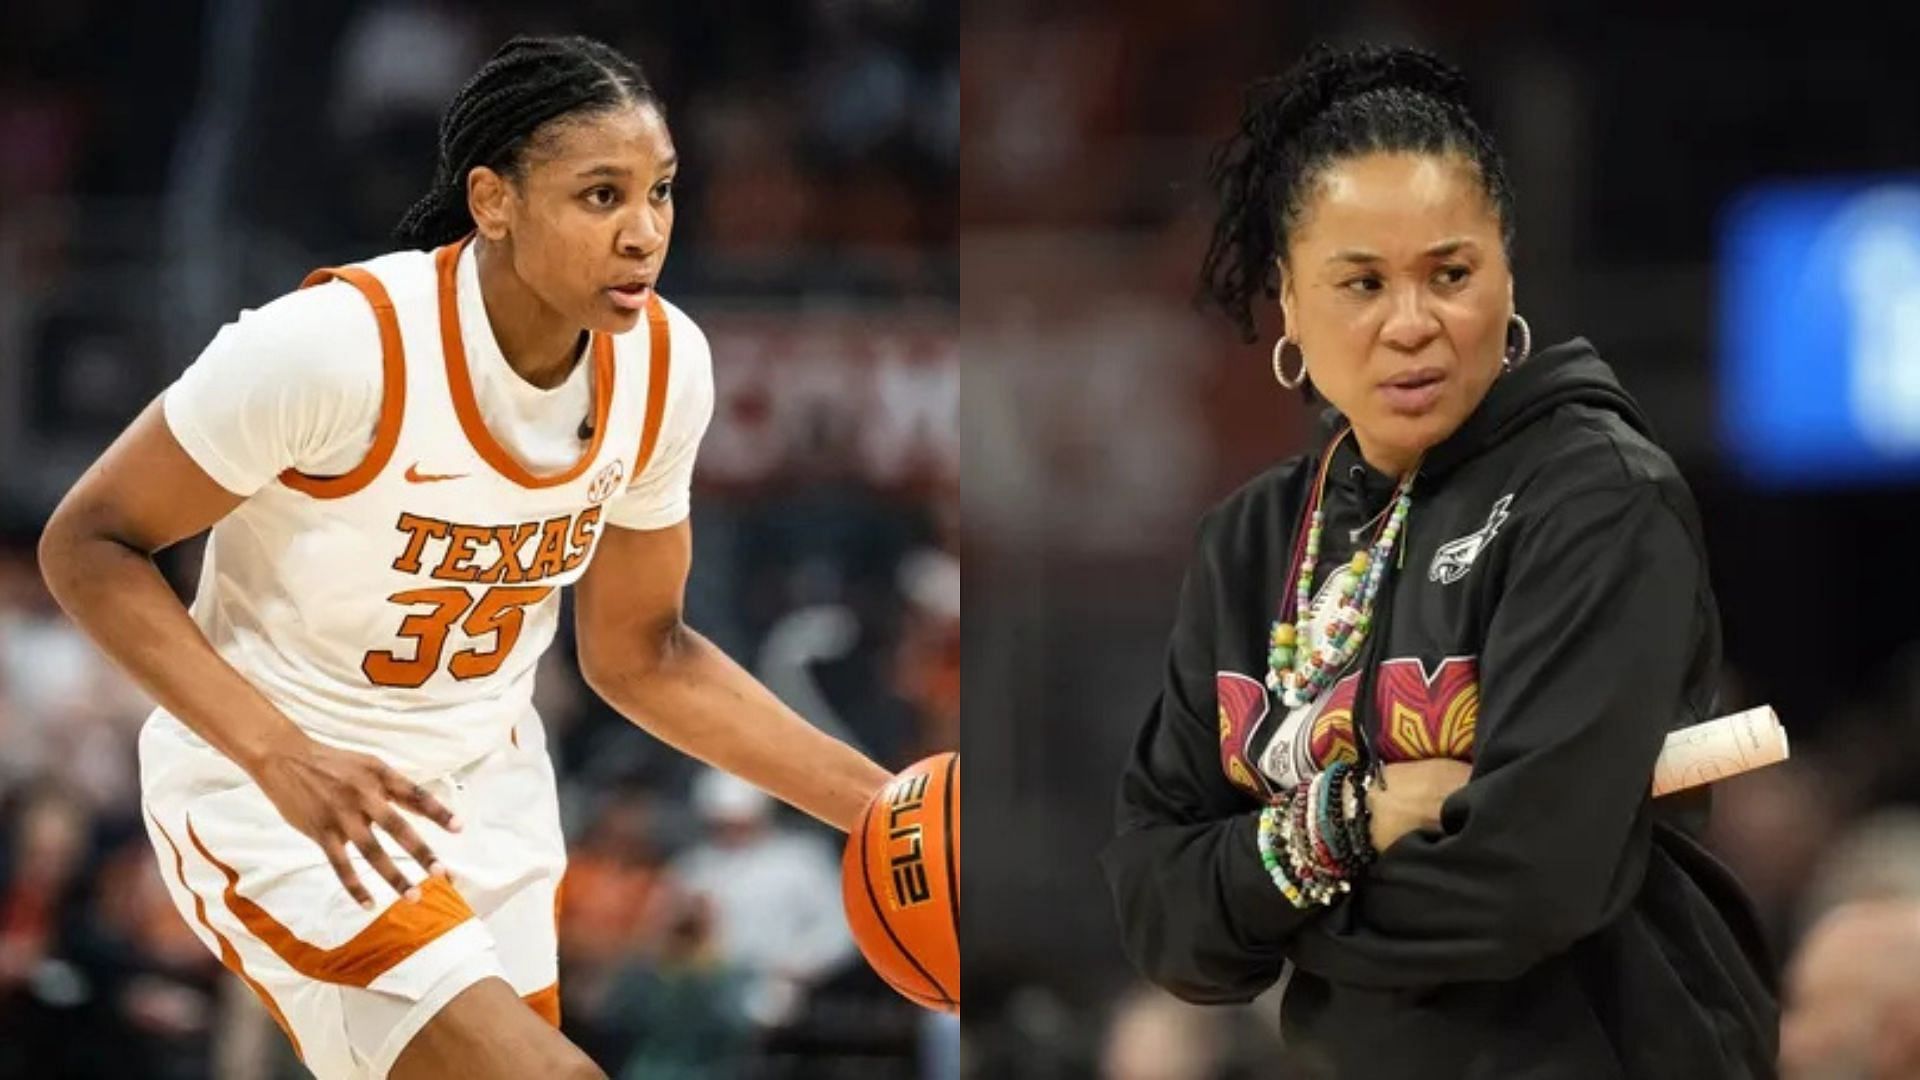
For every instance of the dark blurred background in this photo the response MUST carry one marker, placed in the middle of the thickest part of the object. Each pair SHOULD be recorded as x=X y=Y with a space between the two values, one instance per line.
x=1721 y=198
x=163 y=165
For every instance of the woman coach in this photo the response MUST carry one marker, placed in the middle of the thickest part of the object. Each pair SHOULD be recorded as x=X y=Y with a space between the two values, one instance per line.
x=1419 y=677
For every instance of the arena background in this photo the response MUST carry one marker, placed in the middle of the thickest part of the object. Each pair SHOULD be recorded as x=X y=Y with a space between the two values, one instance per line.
x=1103 y=414
x=164 y=165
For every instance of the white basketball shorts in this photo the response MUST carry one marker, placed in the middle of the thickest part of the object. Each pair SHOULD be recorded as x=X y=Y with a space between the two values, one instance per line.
x=350 y=986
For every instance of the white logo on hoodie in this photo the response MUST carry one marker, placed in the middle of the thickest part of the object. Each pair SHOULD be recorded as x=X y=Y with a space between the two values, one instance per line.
x=1455 y=557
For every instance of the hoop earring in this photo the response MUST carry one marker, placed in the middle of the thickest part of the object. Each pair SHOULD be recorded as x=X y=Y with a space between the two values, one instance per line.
x=1279 y=368
x=1513 y=358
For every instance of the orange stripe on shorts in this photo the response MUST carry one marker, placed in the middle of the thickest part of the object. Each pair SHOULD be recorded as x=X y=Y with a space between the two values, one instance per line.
x=229 y=956
x=547 y=1003
x=403 y=929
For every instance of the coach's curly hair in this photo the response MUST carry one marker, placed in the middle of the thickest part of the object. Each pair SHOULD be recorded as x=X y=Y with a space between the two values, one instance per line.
x=529 y=82
x=1333 y=104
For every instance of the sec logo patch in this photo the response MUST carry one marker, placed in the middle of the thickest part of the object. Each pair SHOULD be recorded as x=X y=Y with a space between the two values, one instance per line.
x=606 y=482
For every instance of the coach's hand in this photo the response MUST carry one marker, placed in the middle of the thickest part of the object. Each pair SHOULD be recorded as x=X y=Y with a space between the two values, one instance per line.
x=337 y=797
x=1409 y=795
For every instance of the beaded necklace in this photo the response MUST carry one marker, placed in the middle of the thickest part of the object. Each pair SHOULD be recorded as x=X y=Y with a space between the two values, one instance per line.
x=1300 y=669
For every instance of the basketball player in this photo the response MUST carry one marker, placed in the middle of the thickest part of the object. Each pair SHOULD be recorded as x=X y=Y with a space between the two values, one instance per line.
x=345 y=781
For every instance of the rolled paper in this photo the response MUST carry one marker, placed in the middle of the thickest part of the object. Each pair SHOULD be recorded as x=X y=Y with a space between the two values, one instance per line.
x=1733 y=744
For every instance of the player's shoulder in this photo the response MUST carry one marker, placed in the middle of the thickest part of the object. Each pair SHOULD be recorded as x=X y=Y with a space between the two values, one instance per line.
x=307 y=317
x=688 y=339
x=326 y=336
x=688 y=350
x=316 y=312
x=409 y=277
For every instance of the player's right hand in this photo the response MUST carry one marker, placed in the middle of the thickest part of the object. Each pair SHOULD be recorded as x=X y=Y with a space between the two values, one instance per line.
x=338 y=797
x=1409 y=795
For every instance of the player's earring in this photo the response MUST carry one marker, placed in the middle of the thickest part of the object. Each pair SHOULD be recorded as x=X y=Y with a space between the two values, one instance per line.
x=1517 y=353
x=1280 y=370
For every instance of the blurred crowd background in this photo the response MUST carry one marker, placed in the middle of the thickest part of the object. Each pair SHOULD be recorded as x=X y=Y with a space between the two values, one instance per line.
x=1104 y=414
x=164 y=165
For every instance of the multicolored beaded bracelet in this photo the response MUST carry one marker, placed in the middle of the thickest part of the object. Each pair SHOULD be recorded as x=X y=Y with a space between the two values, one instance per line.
x=1326 y=862
x=1266 y=836
x=1290 y=852
x=1337 y=866
x=1354 y=823
x=1300 y=839
x=1319 y=837
x=1320 y=858
x=1330 y=786
x=1360 y=822
x=1290 y=845
x=1321 y=884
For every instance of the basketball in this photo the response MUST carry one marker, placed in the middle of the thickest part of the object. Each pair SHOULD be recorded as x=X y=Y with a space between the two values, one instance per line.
x=900 y=880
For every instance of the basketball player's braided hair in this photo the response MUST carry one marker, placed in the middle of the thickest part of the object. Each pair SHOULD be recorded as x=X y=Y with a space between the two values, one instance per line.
x=1332 y=105
x=528 y=83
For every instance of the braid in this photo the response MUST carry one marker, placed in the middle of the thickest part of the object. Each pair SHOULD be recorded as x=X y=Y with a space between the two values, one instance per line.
x=527 y=84
x=1332 y=105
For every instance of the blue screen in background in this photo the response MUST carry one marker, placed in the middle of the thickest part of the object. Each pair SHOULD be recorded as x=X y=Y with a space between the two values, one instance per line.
x=1819 y=343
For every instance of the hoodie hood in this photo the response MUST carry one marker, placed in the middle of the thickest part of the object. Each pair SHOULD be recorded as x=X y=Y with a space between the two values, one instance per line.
x=1570 y=373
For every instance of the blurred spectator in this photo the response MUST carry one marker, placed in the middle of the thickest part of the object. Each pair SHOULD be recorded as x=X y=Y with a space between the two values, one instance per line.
x=47 y=850
x=614 y=902
x=1853 y=996
x=927 y=665
x=684 y=1003
x=70 y=961
x=154 y=971
x=1155 y=1036
x=1876 y=858
x=747 y=857
x=397 y=65
x=1151 y=1035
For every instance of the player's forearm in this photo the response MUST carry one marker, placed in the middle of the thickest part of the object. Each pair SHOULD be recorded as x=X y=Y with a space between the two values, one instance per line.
x=116 y=594
x=687 y=693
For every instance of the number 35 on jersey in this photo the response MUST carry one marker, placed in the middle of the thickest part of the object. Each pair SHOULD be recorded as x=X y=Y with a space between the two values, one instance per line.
x=494 y=572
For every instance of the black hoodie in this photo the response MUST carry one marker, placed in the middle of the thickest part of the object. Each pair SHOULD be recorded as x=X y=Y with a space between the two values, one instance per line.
x=1550 y=620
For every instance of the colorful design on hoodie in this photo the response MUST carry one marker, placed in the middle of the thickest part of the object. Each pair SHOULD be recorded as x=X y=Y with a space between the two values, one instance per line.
x=1243 y=704
x=1425 y=716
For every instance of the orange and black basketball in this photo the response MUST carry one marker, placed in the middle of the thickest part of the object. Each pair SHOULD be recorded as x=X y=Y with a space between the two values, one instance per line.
x=900 y=879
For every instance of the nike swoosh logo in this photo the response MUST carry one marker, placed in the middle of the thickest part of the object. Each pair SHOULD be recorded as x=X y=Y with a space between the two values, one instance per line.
x=415 y=476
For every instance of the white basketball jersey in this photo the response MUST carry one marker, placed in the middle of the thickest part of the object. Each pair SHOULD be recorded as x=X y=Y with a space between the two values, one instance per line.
x=400 y=609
